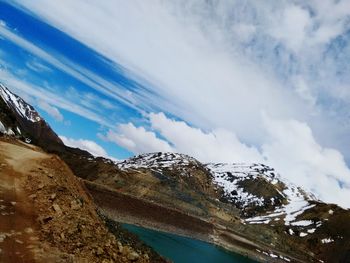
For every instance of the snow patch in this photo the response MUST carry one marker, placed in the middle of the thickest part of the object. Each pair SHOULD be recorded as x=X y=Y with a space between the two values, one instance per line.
x=228 y=176
x=159 y=162
x=21 y=107
x=302 y=223
x=297 y=205
x=302 y=234
x=311 y=231
x=327 y=240
x=270 y=254
x=2 y=128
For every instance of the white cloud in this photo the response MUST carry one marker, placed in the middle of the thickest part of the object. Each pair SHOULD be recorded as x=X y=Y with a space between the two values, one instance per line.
x=216 y=146
x=244 y=32
x=52 y=111
x=2 y=23
x=37 y=66
x=137 y=139
x=292 y=26
x=303 y=90
x=290 y=148
x=28 y=90
x=294 y=152
x=87 y=145
x=90 y=100
x=92 y=80
x=232 y=58
x=218 y=66
x=213 y=83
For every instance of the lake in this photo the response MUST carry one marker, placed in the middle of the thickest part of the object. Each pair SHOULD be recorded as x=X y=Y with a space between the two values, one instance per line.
x=182 y=249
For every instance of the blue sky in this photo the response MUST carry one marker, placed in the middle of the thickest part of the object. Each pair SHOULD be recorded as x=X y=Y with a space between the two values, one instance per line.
x=25 y=65
x=230 y=81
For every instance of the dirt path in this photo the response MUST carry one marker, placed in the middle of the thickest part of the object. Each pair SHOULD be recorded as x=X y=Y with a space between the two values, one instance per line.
x=18 y=235
x=46 y=214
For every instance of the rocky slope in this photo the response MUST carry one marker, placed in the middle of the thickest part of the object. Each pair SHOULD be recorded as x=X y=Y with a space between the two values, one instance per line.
x=20 y=119
x=247 y=208
x=46 y=214
x=250 y=199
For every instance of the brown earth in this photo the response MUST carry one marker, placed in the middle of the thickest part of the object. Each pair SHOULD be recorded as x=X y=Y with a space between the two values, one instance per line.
x=128 y=209
x=47 y=216
x=122 y=207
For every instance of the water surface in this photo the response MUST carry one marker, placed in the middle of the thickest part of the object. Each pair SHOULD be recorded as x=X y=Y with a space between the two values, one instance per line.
x=185 y=250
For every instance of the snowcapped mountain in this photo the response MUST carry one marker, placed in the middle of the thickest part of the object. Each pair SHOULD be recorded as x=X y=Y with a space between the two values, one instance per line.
x=158 y=161
x=25 y=110
x=20 y=119
x=236 y=181
x=252 y=200
x=249 y=208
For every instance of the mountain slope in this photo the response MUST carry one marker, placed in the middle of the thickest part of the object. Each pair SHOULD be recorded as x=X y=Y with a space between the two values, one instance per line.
x=250 y=199
x=247 y=208
x=19 y=119
x=22 y=120
x=46 y=215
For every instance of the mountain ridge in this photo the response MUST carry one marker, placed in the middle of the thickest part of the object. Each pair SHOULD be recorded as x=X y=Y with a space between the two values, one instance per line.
x=249 y=200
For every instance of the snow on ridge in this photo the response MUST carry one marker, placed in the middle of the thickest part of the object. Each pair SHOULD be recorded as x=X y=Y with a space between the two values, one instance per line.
x=228 y=175
x=327 y=240
x=302 y=223
x=22 y=108
x=297 y=204
x=2 y=128
x=7 y=131
x=157 y=161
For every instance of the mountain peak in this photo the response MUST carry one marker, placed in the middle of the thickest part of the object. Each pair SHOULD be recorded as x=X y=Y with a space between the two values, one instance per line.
x=157 y=160
x=20 y=119
x=19 y=105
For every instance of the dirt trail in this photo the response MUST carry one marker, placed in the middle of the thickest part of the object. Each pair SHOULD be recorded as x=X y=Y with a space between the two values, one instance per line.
x=18 y=235
x=46 y=214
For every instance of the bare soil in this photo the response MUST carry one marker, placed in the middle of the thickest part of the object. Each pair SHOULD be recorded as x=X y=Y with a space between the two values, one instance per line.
x=128 y=209
x=47 y=216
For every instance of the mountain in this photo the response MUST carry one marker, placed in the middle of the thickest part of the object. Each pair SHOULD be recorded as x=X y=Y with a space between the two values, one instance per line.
x=20 y=119
x=246 y=208
x=46 y=214
x=249 y=200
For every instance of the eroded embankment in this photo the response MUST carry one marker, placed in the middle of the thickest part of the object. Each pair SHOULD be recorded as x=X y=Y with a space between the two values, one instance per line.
x=128 y=209
x=124 y=208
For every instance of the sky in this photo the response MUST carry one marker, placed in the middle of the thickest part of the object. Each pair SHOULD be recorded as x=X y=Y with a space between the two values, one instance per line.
x=223 y=81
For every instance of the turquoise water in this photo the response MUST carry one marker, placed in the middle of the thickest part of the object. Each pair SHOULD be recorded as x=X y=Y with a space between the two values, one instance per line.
x=182 y=249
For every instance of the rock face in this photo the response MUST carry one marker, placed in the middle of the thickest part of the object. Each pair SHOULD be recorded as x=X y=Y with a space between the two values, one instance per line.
x=21 y=119
x=250 y=207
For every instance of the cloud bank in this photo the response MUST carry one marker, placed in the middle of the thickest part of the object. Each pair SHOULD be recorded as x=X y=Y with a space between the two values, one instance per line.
x=219 y=64
x=87 y=145
x=260 y=81
x=291 y=149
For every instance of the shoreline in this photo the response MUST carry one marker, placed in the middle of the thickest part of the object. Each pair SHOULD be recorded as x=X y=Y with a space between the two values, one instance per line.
x=124 y=208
